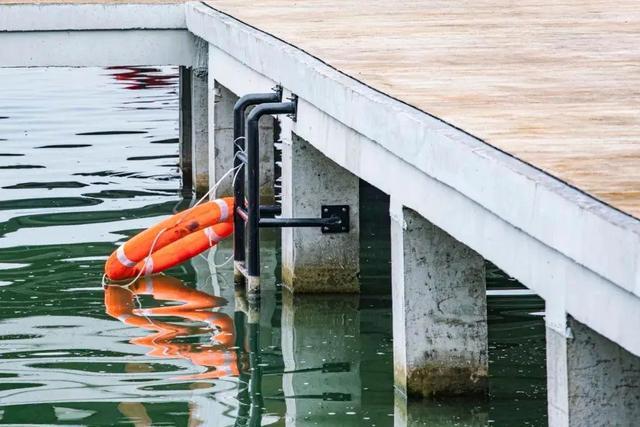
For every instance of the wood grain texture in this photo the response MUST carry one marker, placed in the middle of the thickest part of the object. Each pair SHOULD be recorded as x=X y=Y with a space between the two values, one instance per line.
x=91 y=1
x=554 y=83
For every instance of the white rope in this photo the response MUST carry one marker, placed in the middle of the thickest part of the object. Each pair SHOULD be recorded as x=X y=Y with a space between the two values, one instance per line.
x=217 y=184
x=155 y=240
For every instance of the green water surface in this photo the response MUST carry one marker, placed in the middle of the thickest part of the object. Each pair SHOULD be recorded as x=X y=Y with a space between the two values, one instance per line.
x=87 y=158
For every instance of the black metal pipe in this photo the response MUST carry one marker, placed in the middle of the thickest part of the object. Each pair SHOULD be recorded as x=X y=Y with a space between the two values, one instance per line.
x=270 y=210
x=298 y=222
x=239 y=110
x=253 y=211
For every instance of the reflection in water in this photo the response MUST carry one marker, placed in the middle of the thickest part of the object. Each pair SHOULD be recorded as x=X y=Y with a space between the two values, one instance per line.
x=136 y=78
x=98 y=163
x=168 y=341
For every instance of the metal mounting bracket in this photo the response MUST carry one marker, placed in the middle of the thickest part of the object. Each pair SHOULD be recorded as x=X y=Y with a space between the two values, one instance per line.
x=336 y=211
x=294 y=99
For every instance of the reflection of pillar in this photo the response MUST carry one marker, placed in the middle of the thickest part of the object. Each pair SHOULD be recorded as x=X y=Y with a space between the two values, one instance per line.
x=591 y=380
x=320 y=336
x=448 y=413
x=439 y=310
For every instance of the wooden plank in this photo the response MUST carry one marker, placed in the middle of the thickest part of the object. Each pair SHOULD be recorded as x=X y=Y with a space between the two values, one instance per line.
x=556 y=84
x=90 y=1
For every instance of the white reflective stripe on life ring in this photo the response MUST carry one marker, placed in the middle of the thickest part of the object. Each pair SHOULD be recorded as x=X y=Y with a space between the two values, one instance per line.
x=122 y=258
x=224 y=209
x=213 y=237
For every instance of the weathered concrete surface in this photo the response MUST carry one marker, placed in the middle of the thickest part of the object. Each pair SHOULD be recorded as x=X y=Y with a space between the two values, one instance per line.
x=312 y=261
x=439 y=310
x=221 y=104
x=185 y=123
x=221 y=101
x=200 y=118
x=591 y=380
x=530 y=225
x=323 y=362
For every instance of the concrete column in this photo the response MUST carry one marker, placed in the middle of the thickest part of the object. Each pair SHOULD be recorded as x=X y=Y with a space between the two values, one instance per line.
x=221 y=102
x=184 y=100
x=590 y=379
x=268 y=131
x=322 y=364
x=200 y=119
x=439 y=310
x=312 y=261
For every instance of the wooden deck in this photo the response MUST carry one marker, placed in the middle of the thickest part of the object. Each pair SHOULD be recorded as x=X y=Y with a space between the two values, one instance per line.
x=554 y=83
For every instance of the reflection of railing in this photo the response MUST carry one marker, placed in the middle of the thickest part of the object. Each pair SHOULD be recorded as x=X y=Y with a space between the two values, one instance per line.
x=122 y=302
x=136 y=78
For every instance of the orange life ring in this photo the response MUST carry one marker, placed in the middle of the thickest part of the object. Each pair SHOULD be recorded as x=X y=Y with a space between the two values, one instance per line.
x=174 y=240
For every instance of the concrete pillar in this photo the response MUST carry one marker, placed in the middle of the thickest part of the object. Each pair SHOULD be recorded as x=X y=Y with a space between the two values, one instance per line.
x=221 y=102
x=200 y=119
x=184 y=119
x=322 y=363
x=312 y=261
x=268 y=135
x=590 y=379
x=439 y=310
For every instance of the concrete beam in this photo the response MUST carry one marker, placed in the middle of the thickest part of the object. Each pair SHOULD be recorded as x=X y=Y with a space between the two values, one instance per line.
x=313 y=261
x=440 y=343
x=105 y=16
x=101 y=48
x=591 y=380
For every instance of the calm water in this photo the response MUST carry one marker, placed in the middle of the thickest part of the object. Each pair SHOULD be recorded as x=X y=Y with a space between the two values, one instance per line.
x=87 y=158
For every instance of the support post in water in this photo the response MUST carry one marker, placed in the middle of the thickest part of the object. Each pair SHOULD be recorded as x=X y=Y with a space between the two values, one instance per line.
x=185 y=136
x=200 y=118
x=221 y=147
x=221 y=102
x=313 y=261
x=439 y=310
x=590 y=379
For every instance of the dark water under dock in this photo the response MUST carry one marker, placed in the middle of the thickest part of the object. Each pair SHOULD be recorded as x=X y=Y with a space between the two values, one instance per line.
x=87 y=158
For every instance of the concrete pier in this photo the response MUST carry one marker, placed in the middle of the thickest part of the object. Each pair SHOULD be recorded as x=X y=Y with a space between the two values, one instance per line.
x=312 y=261
x=469 y=175
x=591 y=380
x=221 y=102
x=439 y=310
x=200 y=118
